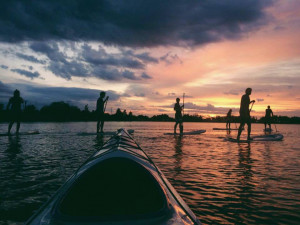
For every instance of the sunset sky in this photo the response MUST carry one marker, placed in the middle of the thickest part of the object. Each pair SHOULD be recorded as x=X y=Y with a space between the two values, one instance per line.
x=144 y=54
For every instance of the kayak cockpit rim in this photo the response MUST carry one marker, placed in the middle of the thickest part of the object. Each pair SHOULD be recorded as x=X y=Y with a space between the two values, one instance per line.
x=137 y=186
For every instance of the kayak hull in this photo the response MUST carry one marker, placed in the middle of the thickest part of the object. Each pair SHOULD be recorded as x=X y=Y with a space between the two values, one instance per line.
x=119 y=184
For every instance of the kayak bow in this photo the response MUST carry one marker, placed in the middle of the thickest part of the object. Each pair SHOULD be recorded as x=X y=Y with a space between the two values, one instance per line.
x=119 y=184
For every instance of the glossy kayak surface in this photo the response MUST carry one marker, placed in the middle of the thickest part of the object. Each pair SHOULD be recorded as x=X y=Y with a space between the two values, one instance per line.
x=119 y=184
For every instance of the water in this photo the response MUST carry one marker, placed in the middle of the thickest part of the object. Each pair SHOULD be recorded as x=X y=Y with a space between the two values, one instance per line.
x=222 y=182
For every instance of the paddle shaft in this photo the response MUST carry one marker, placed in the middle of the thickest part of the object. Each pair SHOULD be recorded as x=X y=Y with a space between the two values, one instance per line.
x=183 y=105
x=251 y=106
x=105 y=106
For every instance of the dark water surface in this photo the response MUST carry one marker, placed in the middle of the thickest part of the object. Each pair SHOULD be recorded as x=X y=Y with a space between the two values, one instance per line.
x=222 y=182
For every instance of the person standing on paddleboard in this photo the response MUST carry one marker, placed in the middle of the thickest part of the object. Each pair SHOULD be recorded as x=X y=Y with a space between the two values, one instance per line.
x=178 y=115
x=228 y=119
x=245 y=113
x=269 y=114
x=15 y=107
x=101 y=103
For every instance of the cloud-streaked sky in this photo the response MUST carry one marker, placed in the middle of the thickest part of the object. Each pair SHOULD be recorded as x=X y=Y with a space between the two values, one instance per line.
x=147 y=53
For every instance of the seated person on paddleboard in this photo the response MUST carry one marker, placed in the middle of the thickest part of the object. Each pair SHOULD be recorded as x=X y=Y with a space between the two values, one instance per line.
x=228 y=119
x=100 y=111
x=245 y=113
x=178 y=115
x=15 y=107
x=269 y=114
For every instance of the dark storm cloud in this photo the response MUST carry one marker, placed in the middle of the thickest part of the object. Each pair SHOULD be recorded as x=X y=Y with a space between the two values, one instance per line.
x=87 y=62
x=30 y=58
x=4 y=67
x=43 y=95
x=26 y=73
x=5 y=92
x=146 y=76
x=68 y=69
x=130 y=23
x=101 y=57
x=51 y=50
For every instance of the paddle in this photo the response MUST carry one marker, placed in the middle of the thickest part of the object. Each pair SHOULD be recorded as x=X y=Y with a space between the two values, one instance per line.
x=105 y=105
x=181 y=127
x=102 y=125
x=251 y=106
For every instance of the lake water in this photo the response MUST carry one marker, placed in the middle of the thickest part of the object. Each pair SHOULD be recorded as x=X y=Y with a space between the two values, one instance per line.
x=222 y=182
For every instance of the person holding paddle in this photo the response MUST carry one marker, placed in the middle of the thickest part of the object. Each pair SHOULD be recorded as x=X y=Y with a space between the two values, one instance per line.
x=178 y=115
x=15 y=109
x=268 y=116
x=101 y=105
x=245 y=114
x=228 y=119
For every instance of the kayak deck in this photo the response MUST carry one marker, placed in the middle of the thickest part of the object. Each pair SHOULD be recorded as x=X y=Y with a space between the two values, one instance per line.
x=119 y=184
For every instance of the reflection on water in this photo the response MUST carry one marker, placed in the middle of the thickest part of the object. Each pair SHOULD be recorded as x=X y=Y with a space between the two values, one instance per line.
x=222 y=182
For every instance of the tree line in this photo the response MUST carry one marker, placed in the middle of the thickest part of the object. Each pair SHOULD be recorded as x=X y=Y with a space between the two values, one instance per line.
x=63 y=112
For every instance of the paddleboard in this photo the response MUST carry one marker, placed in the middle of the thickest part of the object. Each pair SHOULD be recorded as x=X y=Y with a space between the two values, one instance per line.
x=21 y=133
x=188 y=133
x=270 y=137
x=215 y=128
x=106 y=133
x=268 y=129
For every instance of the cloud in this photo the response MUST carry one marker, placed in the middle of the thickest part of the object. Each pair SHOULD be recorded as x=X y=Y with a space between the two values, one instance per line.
x=30 y=58
x=259 y=99
x=68 y=69
x=101 y=57
x=170 y=59
x=87 y=62
x=4 y=67
x=146 y=76
x=207 y=109
x=232 y=92
x=133 y=23
x=26 y=73
x=43 y=95
x=5 y=92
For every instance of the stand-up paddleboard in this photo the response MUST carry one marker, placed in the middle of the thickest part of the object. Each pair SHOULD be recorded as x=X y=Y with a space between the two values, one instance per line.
x=188 y=133
x=268 y=130
x=21 y=133
x=215 y=128
x=270 y=137
x=106 y=133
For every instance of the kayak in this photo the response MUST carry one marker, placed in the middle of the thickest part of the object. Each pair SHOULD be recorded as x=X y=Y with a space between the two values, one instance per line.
x=270 y=137
x=187 y=133
x=119 y=184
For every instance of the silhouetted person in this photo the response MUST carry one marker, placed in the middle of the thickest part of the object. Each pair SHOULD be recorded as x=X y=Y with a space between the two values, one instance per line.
x=14 y=106
x=268 y=116
x=228 y=119
x=178 y=116
x=245 y=113
x=100 y=111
